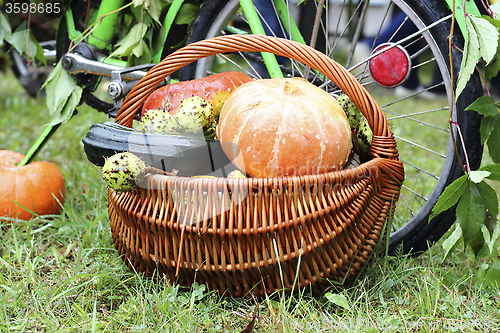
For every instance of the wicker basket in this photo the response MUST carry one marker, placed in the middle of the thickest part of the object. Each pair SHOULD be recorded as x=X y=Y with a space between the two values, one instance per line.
x=258 y=235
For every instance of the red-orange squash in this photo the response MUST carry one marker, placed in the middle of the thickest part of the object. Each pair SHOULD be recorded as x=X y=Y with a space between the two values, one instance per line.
x=38 y=186
x=214 y=88
x=283 y=127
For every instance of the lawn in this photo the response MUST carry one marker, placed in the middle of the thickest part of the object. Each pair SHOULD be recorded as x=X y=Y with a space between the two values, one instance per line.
x=63 y=274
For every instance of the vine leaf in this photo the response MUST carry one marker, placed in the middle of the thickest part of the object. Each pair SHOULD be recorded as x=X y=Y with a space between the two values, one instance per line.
x=63 y=95
x=5 y=29
x=18 y=40
x=470 y=57
x=141 y=54
x=469 y=211
x=476 y=211
x=490 y=203
x=490 y=124
x=484 y=105
x=493 y=67
x=487 y=37
x=153 y=7
x=494 y=139
x=494 y=170
x=133 y=39
x=450 y=196
x=478 y=176
x=186 y=14
x=69 y=107
x=138 y=3
x=495 y=8
x=451 y=242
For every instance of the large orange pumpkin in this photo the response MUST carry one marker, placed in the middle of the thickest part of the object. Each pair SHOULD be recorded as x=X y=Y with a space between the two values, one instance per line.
x=37 y=186
x=283 y=127
x=213 y=88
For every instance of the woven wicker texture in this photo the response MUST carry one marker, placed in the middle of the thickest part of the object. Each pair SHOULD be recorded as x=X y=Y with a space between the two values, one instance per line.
x=258 y=235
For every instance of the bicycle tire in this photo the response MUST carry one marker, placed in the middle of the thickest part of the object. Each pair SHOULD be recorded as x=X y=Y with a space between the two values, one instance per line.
x=416 y=234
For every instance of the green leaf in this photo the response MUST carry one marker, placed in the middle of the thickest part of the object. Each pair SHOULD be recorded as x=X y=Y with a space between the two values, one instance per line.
x=39 y=52
x=450 y=196
x=138 y=3
x=487 y=37
x=59 y=87
x=131 y=40
x=494 y=141
x=484 y=105
x=478 y=176
x=484 y=242
x=494 y=170
x=470 y=212
x=494 y=22
x=470 y=58
x=488 y=124
x=451 y=242
x=478 y=243
x=338 y=299
x=490 y=200
x=5 y=29
x=493 y=67
x=26 y=44
x=140 y=54
x=69 y=107
x=495 y=8
x=492 y=276
x=494 y=238
x=186 y=14
x=153 y=7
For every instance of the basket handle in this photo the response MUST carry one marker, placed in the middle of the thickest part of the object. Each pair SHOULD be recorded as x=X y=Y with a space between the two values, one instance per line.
x=256 y=43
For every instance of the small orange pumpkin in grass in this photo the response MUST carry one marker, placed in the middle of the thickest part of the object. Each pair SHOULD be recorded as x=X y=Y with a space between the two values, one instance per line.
x=284 y=127
x=37 y=186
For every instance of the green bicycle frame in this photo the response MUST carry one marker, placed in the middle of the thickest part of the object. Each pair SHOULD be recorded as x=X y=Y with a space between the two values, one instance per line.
x=257 y=28
x=102 y=35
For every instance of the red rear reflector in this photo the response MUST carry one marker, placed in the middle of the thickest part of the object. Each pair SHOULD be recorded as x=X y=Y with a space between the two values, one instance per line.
x=390 y=68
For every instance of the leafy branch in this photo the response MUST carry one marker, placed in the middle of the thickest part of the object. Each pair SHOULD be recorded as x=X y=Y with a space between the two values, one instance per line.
x=476 y=201
x=137 y=45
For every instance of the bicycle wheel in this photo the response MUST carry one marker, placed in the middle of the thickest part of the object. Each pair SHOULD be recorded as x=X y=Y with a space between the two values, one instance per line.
x=418 y=116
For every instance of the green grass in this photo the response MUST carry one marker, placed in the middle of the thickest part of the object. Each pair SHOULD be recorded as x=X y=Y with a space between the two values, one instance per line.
x=62 y=273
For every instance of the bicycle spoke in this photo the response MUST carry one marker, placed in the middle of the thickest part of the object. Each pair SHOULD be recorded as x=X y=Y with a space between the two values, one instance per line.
x=418 y=113
x=418 y=121
x=413 y=144
x=421 y=51
x=347 y=27
x=357 y=32
x=419 y=169
x=402 y=197
x=314 y=35
x=415 y=193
